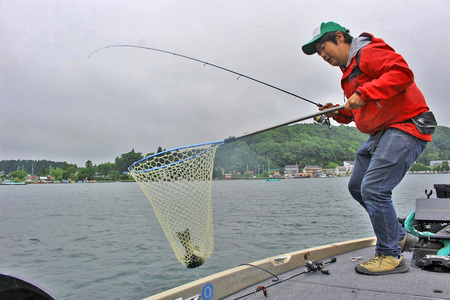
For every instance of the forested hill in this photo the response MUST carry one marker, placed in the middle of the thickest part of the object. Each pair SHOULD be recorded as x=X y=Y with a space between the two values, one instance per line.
x=29 y=166
x=302 y=144
x=309 y=144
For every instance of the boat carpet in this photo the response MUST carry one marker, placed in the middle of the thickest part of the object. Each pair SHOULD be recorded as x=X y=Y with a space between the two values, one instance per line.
x=344 y=283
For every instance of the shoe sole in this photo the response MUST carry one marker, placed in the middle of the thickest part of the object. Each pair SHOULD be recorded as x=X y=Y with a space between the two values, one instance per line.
x=399 y=269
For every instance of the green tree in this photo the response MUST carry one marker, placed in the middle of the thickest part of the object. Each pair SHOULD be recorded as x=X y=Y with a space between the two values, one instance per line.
x=419 y=167
x=74 y=177
x=44 y=172
x=127 y=159
x=57 y=173
x=89 y=164
x=19 y=174
x=291 y=152
x=66 y=166
x=69 y=170
x=105 y=168
x=86 y=173
x=124 y=177
x=331 y=165
x=217 y=173
x=113 y=175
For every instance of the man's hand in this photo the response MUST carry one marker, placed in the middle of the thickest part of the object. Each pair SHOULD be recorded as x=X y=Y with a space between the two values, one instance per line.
x=354 y=102
x=326 y=106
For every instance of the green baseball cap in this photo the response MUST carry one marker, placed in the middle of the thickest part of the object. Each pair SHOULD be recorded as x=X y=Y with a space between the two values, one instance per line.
x=310 y=48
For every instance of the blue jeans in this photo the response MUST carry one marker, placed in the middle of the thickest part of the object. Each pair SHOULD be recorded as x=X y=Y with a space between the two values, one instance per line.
x=376 y=175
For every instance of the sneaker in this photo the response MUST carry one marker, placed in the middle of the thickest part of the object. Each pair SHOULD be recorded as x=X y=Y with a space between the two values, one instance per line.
x=408 y=242
x=382 y=265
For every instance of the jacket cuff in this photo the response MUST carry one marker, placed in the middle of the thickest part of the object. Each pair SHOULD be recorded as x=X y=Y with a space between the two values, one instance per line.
x=361 y=94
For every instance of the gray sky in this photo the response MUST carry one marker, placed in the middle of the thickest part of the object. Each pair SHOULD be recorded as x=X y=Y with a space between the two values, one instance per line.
x=58 y=104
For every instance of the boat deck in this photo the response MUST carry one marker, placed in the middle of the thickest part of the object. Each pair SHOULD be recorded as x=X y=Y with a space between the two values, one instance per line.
x=294 y=283
x=344 y=283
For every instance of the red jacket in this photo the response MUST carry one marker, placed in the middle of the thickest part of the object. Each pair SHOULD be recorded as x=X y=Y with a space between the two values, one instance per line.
x=387 y=86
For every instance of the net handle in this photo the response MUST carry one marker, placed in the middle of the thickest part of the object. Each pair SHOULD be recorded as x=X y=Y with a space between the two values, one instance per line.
x=310 y=116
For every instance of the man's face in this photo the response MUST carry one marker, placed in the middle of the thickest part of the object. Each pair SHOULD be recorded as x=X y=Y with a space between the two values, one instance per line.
x=334 y=54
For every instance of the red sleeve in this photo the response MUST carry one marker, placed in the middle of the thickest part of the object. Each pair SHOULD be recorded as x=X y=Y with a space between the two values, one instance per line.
x=344 y=116
x=390 y=71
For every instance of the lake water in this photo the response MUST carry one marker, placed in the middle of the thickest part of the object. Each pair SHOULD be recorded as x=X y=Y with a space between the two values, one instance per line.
x=102 y=241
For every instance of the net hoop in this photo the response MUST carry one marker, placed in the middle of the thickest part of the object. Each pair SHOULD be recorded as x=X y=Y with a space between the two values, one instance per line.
x=131 y=168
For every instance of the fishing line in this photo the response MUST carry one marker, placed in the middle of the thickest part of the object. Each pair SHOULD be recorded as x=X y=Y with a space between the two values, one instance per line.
x=212 y=65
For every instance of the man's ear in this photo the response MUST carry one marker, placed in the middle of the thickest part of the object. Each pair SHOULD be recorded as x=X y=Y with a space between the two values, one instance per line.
x=340 y=37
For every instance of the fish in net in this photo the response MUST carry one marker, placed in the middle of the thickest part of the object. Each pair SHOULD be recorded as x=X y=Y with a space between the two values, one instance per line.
x=178 y=184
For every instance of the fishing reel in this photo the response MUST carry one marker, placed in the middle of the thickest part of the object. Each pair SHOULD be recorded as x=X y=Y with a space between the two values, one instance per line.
x=312 y=266
x=322 y=120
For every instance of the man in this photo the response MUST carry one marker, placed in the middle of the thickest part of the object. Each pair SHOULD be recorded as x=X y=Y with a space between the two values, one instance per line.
x=385 y=103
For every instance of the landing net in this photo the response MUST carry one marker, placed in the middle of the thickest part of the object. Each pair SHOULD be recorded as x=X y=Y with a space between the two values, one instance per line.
x=178 y=184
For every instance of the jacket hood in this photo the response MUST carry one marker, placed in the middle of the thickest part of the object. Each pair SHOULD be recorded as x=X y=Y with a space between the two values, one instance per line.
x=357 y=44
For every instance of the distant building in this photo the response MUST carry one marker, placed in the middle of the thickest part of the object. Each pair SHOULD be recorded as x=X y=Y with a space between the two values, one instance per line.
x=329 y=171
x=312 y=169
x=435 y=163
x=341 y=171
x=290 y=171
x=349 y=164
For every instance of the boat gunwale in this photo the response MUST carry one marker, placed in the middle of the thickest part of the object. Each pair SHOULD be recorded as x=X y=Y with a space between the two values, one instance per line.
x=231 y=281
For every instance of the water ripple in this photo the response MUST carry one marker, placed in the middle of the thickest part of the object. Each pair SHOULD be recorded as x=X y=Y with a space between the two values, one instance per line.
x=102 y=241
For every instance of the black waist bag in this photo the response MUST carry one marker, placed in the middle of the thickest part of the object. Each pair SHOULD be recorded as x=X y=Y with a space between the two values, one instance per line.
x=425 y=122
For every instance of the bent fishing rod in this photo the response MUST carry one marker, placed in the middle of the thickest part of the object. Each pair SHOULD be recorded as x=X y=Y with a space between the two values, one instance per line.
x=212 y=65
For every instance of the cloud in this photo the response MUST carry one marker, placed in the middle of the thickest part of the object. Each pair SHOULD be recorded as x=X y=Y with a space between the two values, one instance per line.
x=58 y=104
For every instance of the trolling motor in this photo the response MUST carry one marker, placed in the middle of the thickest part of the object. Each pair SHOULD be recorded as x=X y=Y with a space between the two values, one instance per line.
x=431 y=223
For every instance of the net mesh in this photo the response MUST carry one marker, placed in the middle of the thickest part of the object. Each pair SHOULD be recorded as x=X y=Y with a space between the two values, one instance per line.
x=178 y=184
